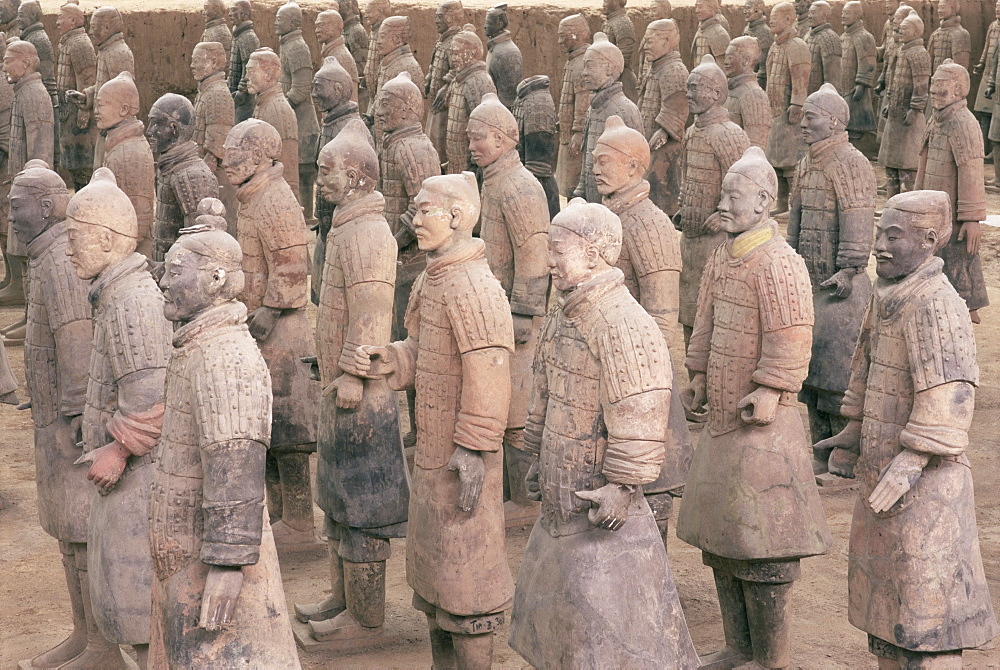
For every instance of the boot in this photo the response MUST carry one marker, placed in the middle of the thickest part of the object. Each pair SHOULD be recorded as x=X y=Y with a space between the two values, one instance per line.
x=906 y=180
x=781 y=203
x=473 y=652
x=442 y=647
x=364 y=588
x=99 y=653
x=770 y=622
x=336 y=602
x=13 y=293
x=296 y=529
x=73 y=645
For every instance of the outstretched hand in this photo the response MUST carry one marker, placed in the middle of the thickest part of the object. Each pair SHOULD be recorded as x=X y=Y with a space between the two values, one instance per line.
x=218 y=601
x=471 y=473
x=897 y=478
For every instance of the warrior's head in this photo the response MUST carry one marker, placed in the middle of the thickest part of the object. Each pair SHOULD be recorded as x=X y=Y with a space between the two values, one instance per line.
x=742 y=56
x=171 y=122
x=824 y=114
x=329 y=26
x=70 y=18
x=602 y=64
x=101 y=224
x=288 y=18
x=263 y=70
x=707 y=86
x=492 y=131
x=104 y=24
x=573 y=32
x=748 y=191
x=208 y=58
x=913 y=227
x=19 y=60
x=662 y=37
x=252 y=146
x=949 y=84
x=400 y=103
x=466 y=48
x=447 y=211
x=38 y=199
x=393 y=33
x=332 y=85
x=496 y=20
x=348 y=166
x=621 y=157
x=116 y=101
x=585 y=240
x=449 y=14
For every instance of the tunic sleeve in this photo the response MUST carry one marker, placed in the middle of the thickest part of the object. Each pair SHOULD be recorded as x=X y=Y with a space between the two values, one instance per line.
x=369 y=262
x=527 y=219
x=786 y=320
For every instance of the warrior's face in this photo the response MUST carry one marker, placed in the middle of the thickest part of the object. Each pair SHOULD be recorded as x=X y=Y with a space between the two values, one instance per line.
x=494 y=24
x=816 y=124
x=743 y=204
x=240 y=161
x=751 y=11
x=336 y=179
x=572 y=258
x=203 y=64
x=283 y=23
x=900 y=246
x=485 y=143
x=162 y=131
x=437 y=220
x=325 y=30
x=704 y=10
x=259 y=77
x=944 y=91
x=596 y=72
x=90 y=248
x=701 y=94
x=947 y=9
x=613 y=170
x=16 y=66
x=187 y=287
x=108 y=112
x=735 y=62
x=28 y=213
x=658 y=43
x=327 y=93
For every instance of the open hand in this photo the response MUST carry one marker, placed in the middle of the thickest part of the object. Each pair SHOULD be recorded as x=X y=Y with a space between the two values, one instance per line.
x=218 y=601
x=471 y=473
x=611 y=503
x=658 y=139
x=262 y=322
x=522 y=328
x=896 y=479
x=971 y=232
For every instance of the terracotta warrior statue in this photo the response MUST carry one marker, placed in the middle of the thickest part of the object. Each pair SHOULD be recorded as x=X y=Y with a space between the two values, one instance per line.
x=245 y=42
x=214 y=114
x=362 y=481
x=216 y=28
x=660 y=9
x=57 y=356
x=858 y=73
x=650 y=258
x=330 y=35
x=273 y=236
x=125 y=403
x=127 y=152
x=788 y=66
x=535 y=111
x=503 y=58
x=271 y=106
x=753 y=12
x=9 y=25
x=602 y=68
x=574 y=101
x=296 y=84
x=803 y=24
x=747 y=102
x=906 y=90
x=984 y=105
x=830 y=223
x=664 y=111
x=75 y=71
x=749 y=355
x=620 y=31
x=29 y=16
x=456 y=560
x=711 y=37
x=113 y=57
x=951 y=160
x=462 y=95
x=824 y=48
x=950 y=39
x=356 y=40
x=711 y=145
x=396 y=56
x=182 y=177
x=448 y=19
x=16 y=295
x=406 y=160
x=376 y=11
x=514 y=226
x=218 y=599
x=910 y=403
x=595 y=431
x=32 y=136
x=888 y=52
x=331 y=93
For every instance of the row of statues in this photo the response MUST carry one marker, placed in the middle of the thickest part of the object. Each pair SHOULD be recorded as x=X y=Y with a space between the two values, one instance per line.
x=534 y=343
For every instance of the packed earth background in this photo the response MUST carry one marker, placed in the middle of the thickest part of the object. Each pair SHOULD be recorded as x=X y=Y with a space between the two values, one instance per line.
x=34 y=610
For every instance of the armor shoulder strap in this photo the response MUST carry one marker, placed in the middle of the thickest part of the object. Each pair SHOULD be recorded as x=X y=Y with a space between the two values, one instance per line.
x=118 y=59
x=478 y=310
x=718 y=40
x=418 y=163
x=965 y=138
x=411 y=318
x=279 y=221
x=939 y=339
x=192 y=184
x=961 y=41
x=653 y=242
x=633 y=354
x=226 y=406
x=66 y=295
x=141 y=336
x=853 y=178
x=785 y=290
x=369 y=255
x=919 y=60
x=728 y=142
x=475 y=87
x=296 y=55
x=538 y=114
x=797 y=52
x=525 y=209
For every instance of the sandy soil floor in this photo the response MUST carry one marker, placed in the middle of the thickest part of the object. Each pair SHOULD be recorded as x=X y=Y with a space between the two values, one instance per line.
x=34 y=612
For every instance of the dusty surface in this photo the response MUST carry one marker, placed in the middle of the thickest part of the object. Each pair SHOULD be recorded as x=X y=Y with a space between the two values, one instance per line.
x=34 y=613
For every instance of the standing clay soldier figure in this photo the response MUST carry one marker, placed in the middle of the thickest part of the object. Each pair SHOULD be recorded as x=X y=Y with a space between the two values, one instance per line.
x=272 y=234
x=514 y=226
x=753 y=12
x=711 y=38
x=651 y=260
x=574 y=101
x=183 y=179
x=32 y=136
x=664 y=111
x=858 y=72
x=602 y=68
x=57 y=357
x=464 y=94
x=29 y=15
x=448 y=19
x=824 y=48
x=984 y=106
x=830 y=223
x=910 y=404
x=803 y=24
x=217 y=599
x=890 y=49
x=296 y=84
x=214 y=114
x=362 y=478
x=751 y=503
x=456 y=560
x=376 y=11
x=711 y=145
x=330 y=35
x=127 y=152
x=245 y=42
x=951 y=160
x=356 y=40
x=9 y=24
x=503 y=58
x=598 y=417
x=747 y=102
x=535 y=112
x=216 y=28
x=271 y=106
x=76 y=71
x=950 y=39
x=396 y=56
x=113 y=57
x=620 y=31
x=332 y=89
x=125 y=401
x=788 y=65
x=15 y=295
x=907 y=91
x=406 y=160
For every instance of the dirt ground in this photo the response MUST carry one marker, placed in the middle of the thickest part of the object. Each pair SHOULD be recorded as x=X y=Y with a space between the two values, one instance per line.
x=34 y=612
